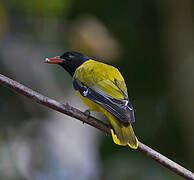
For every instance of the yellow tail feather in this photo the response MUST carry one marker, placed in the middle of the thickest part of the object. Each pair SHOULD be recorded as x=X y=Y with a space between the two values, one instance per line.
x=117 y=141
x=122 y=134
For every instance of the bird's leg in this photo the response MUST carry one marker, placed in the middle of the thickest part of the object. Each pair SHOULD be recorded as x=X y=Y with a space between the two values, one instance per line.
x=88 y=112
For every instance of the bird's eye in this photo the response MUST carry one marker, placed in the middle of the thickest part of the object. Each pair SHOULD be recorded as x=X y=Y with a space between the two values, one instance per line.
x=71 y=56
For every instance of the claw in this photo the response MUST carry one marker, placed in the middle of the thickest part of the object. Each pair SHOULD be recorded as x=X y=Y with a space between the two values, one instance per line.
x=88 y=112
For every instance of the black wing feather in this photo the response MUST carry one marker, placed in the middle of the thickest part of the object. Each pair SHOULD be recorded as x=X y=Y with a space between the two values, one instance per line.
x=120 y=108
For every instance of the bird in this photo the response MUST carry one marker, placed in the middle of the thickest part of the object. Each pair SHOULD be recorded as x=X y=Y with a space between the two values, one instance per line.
x=102 y=88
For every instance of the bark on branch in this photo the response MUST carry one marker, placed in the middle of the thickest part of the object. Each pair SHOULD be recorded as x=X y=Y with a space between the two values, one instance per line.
x=73 y=112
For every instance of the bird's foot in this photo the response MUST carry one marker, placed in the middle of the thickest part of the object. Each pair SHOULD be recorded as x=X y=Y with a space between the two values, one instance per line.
x=88 y=112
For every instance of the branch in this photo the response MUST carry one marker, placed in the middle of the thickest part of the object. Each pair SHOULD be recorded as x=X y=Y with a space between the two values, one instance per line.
x=73 y=112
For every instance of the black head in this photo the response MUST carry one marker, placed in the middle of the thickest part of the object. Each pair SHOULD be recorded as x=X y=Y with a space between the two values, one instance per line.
x=70 y=61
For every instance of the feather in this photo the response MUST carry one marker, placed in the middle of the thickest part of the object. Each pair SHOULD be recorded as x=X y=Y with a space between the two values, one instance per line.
x=103 y=89
x=120 y=108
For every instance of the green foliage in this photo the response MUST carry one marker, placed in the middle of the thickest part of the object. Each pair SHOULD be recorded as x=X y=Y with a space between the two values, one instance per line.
x=41 y=7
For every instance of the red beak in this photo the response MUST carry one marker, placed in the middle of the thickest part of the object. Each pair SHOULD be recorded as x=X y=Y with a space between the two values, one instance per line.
x=54 y=60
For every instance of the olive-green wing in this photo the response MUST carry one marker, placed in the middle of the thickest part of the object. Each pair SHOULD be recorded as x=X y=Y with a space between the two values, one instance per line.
x=105 y=77
x=104 y=85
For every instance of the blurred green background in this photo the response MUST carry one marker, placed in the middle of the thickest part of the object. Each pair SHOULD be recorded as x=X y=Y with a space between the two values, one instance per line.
x=151 y=42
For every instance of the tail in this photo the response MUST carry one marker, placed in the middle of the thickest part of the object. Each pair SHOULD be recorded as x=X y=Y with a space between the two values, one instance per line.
x=122 y=133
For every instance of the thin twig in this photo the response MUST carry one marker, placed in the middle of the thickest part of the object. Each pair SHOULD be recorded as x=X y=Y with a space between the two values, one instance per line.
x=73 y=112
